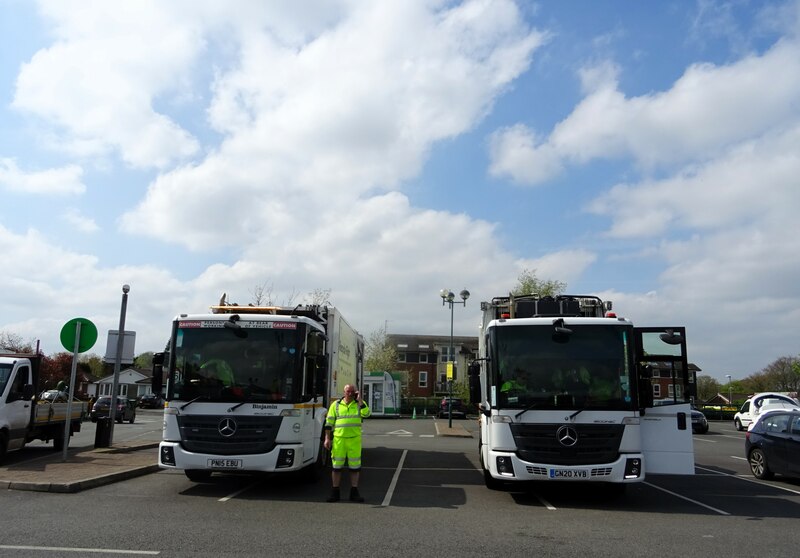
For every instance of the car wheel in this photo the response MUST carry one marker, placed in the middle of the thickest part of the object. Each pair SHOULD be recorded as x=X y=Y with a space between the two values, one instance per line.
x=738 y=424
x=758 y=464
x=704 y=430
x=133 y=418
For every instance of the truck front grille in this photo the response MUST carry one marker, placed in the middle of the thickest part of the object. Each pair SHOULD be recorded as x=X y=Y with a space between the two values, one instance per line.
x=214 y=435
x=596 y=443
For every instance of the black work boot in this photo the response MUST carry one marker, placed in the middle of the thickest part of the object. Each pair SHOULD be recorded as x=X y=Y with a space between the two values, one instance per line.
x=355 y=496
x=335 y=495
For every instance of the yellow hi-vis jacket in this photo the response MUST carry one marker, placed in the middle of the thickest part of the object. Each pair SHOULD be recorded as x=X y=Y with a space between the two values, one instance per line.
x=345 y=418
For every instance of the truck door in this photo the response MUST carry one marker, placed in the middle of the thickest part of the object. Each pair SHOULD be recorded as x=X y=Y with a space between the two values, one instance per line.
x=18 y=407
x=665 y=391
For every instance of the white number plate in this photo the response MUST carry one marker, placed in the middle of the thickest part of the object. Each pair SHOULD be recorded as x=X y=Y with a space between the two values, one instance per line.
x=569 y=474
x=225 y=463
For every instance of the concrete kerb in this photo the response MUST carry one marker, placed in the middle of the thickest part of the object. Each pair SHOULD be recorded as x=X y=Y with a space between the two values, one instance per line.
x=73 y=469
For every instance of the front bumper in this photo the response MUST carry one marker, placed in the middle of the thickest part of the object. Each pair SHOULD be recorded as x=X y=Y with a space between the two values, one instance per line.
x=282 y=458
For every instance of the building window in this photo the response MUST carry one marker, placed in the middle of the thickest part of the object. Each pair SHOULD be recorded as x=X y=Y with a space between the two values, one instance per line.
x=401 y=357
x=423 y=357
x=656 y=390
x=423 y=379
x=674 y=392
x=446 y=356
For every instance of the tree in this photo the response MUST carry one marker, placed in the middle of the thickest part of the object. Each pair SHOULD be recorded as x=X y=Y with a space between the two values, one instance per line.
x=380 y=354
x=144 y=361
x=94 y=364
x=55 y=368
x=708 y=387
x=783 y=374
x=528 y=283
x=320 y=297
x=14 y=343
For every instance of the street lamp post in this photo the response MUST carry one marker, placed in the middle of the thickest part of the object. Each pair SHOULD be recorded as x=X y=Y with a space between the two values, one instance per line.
x=118 y=361
x=449 y=298
x=730 y=390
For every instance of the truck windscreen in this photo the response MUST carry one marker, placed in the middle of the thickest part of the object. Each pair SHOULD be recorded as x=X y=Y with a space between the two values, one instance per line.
x=254 y=363
x=588 y=368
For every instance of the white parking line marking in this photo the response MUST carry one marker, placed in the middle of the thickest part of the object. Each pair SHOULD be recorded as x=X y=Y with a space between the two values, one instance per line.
x=393 y=484
x=82 y=550
x=747 y=478
x=687 y=499
x=235 y=494
x=699 y=439
x=546 y=504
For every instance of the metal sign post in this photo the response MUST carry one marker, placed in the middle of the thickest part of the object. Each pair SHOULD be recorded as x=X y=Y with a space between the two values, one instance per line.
x=83 y=339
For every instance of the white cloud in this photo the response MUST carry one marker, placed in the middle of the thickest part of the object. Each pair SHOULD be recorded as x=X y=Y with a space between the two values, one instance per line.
x=97 y=84
x=516 y=152
x=565 y=266
x=755 y=182
x=709 y=109
x=80 y=222
x=59 y=181
x=312 y=129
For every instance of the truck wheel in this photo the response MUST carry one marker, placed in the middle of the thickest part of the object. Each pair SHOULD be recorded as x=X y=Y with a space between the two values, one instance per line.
x=133 y=418
x=490 y=482
x=311 y=473
x=198 y=475
x=3 y=445
x=58 y=440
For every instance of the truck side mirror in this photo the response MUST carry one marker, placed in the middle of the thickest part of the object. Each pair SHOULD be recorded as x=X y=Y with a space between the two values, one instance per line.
x=157 y=381
x=473 y=372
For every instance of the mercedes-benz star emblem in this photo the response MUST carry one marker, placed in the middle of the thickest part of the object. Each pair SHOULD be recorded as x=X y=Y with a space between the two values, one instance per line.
x=567 y=436
x=227 y=427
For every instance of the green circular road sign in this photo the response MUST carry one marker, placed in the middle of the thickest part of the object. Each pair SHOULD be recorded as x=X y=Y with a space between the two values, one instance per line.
x=88 y=335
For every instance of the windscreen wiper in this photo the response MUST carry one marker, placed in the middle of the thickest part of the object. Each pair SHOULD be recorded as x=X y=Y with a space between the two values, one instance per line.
x=198 y=398
x=528 y=408
x=232 y=409
x=576 y=413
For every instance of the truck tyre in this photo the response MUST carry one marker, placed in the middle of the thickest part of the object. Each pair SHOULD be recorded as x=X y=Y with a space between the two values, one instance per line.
x=133 y=418
x=198 y=475
x=490 y=482
x=58 y=440
x=3 y=445
x=311 y=473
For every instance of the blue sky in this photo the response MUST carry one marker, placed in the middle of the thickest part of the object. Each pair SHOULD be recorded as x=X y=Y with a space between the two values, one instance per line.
x=642 y=151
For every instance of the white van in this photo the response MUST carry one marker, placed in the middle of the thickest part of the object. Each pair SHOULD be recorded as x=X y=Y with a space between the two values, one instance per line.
x=759 y=403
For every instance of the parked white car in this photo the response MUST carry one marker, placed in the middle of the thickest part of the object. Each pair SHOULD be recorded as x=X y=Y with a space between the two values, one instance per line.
x=759 y=403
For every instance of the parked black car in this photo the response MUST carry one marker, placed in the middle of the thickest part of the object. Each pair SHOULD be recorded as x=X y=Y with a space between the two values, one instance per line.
x=151 y=401
x=772 y=444
x=126 y=409
x=699 y=422
x=459 y=408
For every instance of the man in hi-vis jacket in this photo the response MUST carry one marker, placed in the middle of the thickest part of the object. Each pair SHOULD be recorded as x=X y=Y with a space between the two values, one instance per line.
x=344 y=421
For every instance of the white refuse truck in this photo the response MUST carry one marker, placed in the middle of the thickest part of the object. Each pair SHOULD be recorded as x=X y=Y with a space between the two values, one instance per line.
x=565 y=390
x=23 y=416
x=247 y=388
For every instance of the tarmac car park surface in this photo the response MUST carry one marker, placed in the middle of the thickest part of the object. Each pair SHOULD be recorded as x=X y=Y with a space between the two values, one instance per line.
x=424 y=495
